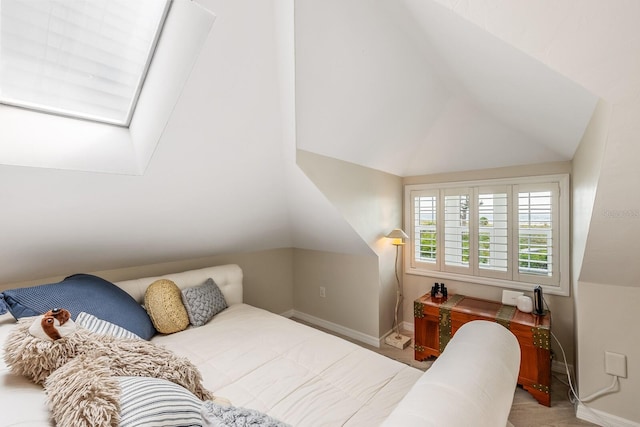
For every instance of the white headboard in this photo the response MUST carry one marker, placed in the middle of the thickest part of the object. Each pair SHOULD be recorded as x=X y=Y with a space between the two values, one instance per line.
x=228 y=277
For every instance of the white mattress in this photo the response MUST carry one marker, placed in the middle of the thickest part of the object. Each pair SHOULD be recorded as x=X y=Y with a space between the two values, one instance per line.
x=22 y=403
x=295 y=373
x=260 y=360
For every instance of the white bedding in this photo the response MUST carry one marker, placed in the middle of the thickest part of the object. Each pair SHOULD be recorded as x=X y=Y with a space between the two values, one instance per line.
x=22 y=403
x=292 y=372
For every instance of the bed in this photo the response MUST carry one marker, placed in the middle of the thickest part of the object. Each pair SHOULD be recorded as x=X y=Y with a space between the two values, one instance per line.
x=305 y=377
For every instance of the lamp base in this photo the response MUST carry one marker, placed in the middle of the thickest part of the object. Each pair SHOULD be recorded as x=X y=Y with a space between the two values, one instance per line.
x=397 y=341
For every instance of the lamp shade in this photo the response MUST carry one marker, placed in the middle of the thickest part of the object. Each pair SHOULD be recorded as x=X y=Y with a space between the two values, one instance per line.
x=398 y=236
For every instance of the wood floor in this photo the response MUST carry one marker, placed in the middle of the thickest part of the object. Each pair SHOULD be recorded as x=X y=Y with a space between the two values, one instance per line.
x=525 y=411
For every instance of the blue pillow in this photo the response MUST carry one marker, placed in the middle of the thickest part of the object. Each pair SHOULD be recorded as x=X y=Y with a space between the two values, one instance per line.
x=78 y=293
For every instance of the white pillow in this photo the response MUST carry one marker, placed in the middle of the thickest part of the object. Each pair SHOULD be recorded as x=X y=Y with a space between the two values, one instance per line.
x=102 y=327
x=153 y=402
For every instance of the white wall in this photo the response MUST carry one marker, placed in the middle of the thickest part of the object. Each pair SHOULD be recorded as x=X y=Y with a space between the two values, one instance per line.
x=609 y=280
x=352 y=290
x=370 y=201
x=267 y=275
x=587 y=165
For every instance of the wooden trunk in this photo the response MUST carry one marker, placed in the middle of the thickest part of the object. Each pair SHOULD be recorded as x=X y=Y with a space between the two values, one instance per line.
x=437 y=320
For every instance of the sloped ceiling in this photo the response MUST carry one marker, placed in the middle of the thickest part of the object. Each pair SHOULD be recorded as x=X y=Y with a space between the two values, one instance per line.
x=399 y=86
x=216 y=182
x=446 y=95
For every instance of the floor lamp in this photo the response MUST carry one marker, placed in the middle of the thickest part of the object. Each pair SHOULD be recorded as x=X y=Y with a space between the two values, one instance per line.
x=395 y=339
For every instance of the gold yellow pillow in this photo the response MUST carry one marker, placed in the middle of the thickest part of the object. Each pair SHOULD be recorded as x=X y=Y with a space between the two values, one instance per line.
x=163 y=302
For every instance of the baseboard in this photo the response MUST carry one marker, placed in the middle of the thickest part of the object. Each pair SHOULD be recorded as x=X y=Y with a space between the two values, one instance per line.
x=334 y=327
x=407 y=326
x=602 y=418
x=558 y=367
x=288 y=314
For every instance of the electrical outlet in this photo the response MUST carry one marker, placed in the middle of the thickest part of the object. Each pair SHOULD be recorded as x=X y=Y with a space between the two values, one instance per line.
x=323 y=292
x=615 y=364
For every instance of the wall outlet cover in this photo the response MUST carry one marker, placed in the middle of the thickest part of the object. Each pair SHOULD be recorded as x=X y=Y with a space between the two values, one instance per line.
x=615 y=364
x=511 y=297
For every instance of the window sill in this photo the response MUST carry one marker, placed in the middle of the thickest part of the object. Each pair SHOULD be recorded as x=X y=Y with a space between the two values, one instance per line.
x=562 y=290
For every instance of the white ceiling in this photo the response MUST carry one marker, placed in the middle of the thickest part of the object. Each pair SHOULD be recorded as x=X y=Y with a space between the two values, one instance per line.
x=400 y=86
x=413 y=74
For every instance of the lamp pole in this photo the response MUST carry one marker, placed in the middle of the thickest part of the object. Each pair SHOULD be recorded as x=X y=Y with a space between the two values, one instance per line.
x=398 y=293
x=396 y=339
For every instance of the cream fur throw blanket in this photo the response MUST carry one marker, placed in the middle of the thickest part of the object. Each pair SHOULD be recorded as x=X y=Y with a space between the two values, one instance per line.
x=79 y=371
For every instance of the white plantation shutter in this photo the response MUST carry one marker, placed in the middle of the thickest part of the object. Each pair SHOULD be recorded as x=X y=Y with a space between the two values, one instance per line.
x=493 y=231
x=456 y=230
x=511 y=232
x=79 y=58
x=424 y=226
x=537 y=232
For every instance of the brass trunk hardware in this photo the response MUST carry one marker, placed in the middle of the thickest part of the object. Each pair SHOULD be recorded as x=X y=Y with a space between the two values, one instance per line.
x=418 y=348
x=444 y=319
x=505 y=314
x=418 y=313
x=453 y=300
x=541 y=338
x=541 y=387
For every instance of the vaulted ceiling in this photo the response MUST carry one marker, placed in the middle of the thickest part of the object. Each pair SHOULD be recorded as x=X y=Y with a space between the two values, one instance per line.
x=415 y=76
x=402 y=86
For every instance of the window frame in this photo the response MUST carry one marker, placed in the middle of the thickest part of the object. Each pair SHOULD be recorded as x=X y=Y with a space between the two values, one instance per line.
x=559 y=281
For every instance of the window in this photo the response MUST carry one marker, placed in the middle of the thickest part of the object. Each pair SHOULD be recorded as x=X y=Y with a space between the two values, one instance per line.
x=61 y=142
x=83 y=58
x=504 y=232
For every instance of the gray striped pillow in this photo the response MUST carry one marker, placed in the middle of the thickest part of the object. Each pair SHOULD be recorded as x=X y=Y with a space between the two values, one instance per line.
x=154 y=402
x=102 y=327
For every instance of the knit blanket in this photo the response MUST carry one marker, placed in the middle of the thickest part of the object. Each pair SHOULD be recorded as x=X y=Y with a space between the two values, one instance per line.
x=215 y=415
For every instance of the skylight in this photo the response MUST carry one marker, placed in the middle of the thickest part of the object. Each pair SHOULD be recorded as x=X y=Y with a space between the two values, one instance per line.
x=78 y=58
